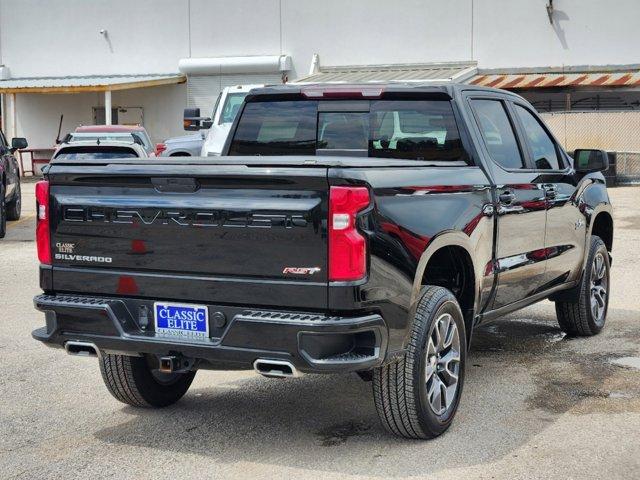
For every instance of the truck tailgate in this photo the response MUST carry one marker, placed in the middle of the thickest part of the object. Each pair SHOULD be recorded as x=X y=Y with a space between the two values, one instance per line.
x=210 y=233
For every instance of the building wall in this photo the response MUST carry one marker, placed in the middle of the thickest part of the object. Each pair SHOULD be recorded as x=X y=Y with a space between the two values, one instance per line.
x=358 y=32
x=61 y=37
x=518 y=33
x=38 y=116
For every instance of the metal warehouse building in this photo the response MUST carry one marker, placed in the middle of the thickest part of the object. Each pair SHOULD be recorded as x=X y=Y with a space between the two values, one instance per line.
x=143 y=61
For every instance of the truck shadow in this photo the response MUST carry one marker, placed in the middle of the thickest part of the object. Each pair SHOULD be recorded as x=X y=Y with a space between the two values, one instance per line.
x=521 y=376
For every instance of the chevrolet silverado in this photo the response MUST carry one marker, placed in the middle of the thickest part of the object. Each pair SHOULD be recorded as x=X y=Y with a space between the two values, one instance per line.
x=351 y=228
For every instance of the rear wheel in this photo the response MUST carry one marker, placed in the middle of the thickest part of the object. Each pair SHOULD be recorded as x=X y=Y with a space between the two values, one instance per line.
x=14 y=207
x=417 y=395
x=131 y=380
x=584 y=313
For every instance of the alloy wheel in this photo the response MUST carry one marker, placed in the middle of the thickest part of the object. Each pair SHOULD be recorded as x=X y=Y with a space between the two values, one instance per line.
x=442 y=365
x=599 y=282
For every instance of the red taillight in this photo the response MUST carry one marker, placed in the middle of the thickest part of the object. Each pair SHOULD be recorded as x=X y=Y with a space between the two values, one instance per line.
x=347 y=247
x=160 y=147
x=43 y=239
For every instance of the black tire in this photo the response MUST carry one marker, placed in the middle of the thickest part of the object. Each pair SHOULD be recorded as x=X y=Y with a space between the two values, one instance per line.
x=14 y=207
x=575 y=313
x=130 y=380
x=400 y=387
x=3 y=212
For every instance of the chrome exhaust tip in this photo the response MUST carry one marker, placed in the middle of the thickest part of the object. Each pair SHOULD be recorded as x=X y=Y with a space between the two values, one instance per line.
x=275 y=368
x=81 y=349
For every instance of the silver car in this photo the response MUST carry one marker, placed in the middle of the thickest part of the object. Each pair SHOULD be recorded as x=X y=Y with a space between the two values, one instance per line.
x=183 y=146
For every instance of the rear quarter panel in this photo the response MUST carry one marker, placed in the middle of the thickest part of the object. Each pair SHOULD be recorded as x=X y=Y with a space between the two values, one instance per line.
x=416 y=211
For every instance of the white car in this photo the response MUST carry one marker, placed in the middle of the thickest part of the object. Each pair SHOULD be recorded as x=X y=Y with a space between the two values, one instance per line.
x=224 y=113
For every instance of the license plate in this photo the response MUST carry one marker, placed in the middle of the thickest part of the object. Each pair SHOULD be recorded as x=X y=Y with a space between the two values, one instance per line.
x=179 y=320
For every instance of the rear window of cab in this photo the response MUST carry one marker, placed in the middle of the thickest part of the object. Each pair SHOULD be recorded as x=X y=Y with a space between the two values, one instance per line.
x=402 y=129
x=84 y=153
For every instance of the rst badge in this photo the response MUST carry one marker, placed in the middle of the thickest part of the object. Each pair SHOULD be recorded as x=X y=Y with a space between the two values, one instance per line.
x=300 y=270
x=190 y=322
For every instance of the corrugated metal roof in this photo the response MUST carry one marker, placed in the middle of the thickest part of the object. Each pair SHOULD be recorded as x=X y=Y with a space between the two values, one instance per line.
x=572 y=77
x=425 y=72
x=89 y=83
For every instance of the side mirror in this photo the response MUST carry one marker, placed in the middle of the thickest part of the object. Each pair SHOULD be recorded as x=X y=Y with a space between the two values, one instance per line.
x=193 y=121
x=587 y=161
x=19 y=143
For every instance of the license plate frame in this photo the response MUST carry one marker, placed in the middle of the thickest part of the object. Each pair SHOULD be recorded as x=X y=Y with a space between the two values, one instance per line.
x=181 y=321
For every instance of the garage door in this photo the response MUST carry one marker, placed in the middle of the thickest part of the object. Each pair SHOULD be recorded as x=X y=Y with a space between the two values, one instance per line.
x=203 y=90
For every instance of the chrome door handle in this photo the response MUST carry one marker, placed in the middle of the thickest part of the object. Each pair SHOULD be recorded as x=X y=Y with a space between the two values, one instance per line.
x=504 y=209
x=550 y=192
x=507 y=197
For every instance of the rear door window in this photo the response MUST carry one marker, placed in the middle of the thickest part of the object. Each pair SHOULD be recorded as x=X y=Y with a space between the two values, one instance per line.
x=497 y=133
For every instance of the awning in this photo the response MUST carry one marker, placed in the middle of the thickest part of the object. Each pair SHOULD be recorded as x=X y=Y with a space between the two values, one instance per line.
x=422 y=72
x=90 y=83
x=519 y=79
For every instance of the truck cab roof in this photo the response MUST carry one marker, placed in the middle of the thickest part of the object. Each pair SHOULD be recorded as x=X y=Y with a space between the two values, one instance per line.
x=368 y=90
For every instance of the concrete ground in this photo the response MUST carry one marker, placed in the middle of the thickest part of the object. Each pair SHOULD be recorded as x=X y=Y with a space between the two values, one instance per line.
x=536 y=404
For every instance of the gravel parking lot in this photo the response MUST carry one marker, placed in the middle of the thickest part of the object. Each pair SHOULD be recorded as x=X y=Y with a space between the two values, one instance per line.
x=536 y=404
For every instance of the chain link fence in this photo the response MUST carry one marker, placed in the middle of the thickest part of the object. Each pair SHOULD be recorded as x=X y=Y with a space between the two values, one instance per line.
x=611 y=131
x=628 y=167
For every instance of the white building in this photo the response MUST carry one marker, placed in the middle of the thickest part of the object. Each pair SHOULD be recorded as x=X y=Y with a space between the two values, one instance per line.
x=59 y=57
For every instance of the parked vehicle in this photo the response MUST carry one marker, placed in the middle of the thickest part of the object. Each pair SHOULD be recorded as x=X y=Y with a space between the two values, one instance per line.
x=183 y=146
x=97 y=149
x=224 y=113
x=359 y=229
x=10 y=196
x=136 y=131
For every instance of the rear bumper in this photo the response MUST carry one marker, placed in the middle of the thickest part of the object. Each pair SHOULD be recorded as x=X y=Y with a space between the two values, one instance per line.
x=313 y=343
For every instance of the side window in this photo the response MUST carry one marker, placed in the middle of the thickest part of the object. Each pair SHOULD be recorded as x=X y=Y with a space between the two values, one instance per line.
x=498 y=133
x=215 y=106
x=231 y=107
x=3 y=141
x=543 y=149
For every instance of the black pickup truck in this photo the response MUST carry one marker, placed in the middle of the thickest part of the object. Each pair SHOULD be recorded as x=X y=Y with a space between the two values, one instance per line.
x=10 y=196
x=362 y=229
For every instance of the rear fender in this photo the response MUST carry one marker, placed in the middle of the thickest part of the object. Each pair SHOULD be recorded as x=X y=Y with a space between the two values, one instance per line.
x=444 y=239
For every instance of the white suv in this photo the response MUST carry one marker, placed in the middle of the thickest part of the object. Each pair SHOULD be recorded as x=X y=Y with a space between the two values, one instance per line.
x=224 y=113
